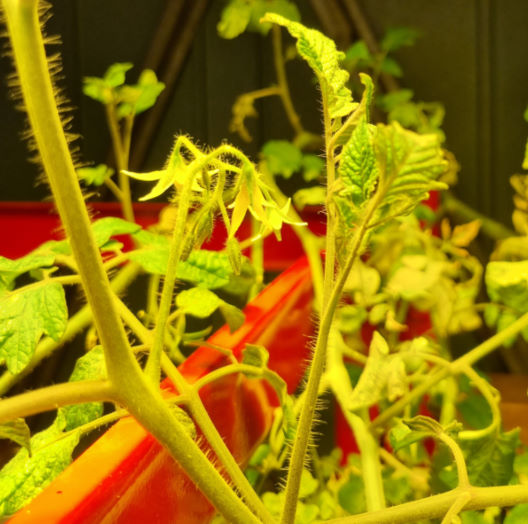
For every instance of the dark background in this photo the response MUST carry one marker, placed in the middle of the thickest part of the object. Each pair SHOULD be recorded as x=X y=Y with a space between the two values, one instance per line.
x=471 y=57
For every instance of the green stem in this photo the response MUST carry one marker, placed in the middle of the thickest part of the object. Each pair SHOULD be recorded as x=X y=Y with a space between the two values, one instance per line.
x=257 y=259
x=463 y=479
x=316 y=370
x=152 y=368
x=490 y=227
x=436 y=506
x=197 y=410
x=280 y=71
x=121 y=157
x=53 y=397
x=455 y=367
x=130 y=386
x=456 y=508
x=370 y=462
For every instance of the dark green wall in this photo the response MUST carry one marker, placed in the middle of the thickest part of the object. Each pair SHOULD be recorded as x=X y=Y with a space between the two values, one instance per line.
x=471 y=57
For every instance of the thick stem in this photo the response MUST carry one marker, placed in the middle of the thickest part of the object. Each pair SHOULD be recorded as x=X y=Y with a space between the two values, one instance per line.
x=140 y=397
x=53 y=397
x=436 y=506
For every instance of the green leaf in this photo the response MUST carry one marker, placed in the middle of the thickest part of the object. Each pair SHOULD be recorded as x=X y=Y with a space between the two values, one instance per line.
x=96 y=175
x=408 y=164
x=233 y=316
x=25 y=316
x=475 y=411
x=517 y=515
x=153 y=255
x=398 y=37
x=255 y=355
x=358 y=51
x=308 y=484
x=313 y=167
x=234 y=19
x=259 y=8
x=115 y=74
x=473 y=517
x=397 y=488
x=357 y=168
x=309 y=196
x=490 y=459
x=16 y=430
x=401 y=436
x=507 y=283
x=391 y=67
x=323 y=57
x=392 y=100
x=23 y=477
x=11 y=269
x=282 y=157
x=198 y=302
x=373 y=379
x=105 y=228
x=351 y=495
x=520 y=464
x=90 y=366
x=139 y=97
x=210 y=269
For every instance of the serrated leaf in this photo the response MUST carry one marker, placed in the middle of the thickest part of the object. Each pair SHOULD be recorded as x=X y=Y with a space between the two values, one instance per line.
x=210 y=269
x=323 y=57
x=397 y=488
x=490 y=459
x=282 y=157
x=357 y=168
x=198 y=302
x=18 y=431
x=90 y=366
x=23 y=477
x=234 y=19
x=25 y=316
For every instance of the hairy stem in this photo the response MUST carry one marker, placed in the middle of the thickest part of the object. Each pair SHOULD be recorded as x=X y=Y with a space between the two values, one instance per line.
x=131 y=388
x=436 y=506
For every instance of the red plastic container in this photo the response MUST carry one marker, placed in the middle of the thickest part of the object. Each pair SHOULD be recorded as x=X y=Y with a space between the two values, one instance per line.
x=126 y=477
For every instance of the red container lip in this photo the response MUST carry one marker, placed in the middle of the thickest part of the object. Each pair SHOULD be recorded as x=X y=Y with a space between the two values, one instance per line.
x=126 y=477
